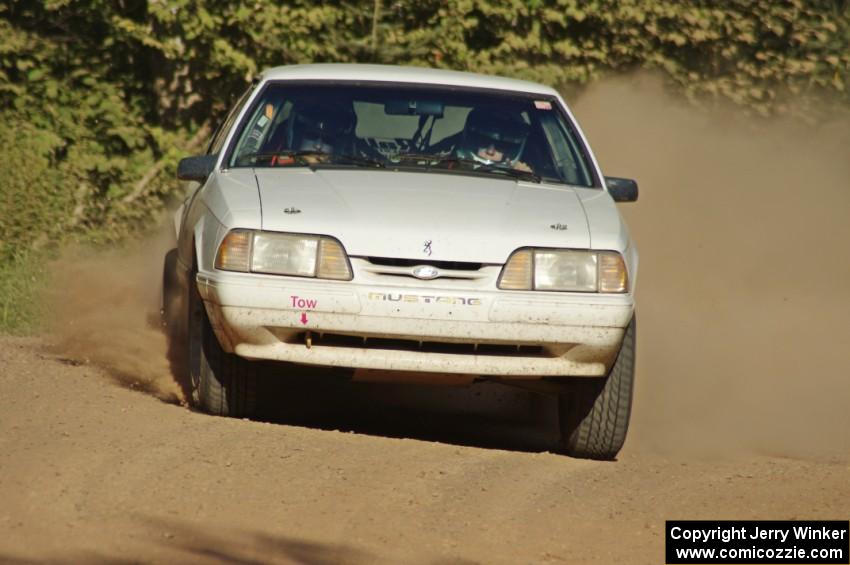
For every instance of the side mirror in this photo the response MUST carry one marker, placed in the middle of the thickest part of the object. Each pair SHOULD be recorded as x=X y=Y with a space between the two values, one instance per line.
x=196 y=168
x=622 y=190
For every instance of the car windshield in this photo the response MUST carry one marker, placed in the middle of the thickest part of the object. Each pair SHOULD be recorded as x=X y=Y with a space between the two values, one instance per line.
x=404 y=127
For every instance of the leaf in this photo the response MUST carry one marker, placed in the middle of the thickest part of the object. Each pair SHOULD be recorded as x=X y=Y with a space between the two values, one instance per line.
x=36 y=74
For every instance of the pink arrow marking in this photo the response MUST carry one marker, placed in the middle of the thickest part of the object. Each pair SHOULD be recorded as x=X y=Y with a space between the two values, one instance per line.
x=303 y=317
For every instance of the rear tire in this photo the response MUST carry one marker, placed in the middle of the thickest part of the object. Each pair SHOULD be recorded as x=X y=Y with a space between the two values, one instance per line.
x=222 y=383
x=594 y=414
x=174 y=320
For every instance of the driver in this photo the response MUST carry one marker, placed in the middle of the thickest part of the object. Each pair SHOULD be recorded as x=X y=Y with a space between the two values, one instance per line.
x=318 y=127
x=493 y=139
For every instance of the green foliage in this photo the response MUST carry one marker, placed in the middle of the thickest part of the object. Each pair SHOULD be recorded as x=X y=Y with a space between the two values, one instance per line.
x=755 y=54
x=78 y=141
x=23 y=286
x=99 y=99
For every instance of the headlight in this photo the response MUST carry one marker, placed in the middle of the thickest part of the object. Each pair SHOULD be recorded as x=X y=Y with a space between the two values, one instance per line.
x=283 y=254
x=565 y=270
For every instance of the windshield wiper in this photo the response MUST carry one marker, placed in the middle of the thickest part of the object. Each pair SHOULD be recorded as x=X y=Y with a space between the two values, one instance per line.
x=252 y=158
x=334 y=158
x=516 y=173
x=301 y=155
x=431 y=157
x=432 y=160
x=472 y=164
x=360 y=160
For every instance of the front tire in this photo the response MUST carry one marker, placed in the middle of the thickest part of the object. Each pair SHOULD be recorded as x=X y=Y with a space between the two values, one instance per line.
x=170 y=308
x=222 y=383
x=594 y=414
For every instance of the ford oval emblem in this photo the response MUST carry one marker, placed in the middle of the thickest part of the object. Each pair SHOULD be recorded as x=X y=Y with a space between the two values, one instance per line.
x=426 y=272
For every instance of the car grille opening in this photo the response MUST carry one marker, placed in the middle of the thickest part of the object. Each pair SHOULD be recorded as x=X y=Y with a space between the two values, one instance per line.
x=362 y=342
x=447 y=265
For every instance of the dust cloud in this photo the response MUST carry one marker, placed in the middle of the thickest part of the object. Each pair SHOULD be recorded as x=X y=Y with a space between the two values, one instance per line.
x=743 y=290
x=105 y=311
x=744 y=280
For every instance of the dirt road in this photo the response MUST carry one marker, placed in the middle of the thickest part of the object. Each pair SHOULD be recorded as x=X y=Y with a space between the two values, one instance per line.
x=94 y=472
x=740 y=412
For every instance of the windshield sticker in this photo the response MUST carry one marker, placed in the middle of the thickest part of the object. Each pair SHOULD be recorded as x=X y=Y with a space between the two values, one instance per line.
x=542 y=104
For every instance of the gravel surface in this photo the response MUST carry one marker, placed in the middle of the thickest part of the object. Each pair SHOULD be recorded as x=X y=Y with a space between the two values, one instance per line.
x=93 y=471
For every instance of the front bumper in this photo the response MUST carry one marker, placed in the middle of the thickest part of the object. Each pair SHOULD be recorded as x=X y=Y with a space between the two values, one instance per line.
x=423 y=328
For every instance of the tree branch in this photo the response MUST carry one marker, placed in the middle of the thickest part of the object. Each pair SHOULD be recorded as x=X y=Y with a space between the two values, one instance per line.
x=141 y=186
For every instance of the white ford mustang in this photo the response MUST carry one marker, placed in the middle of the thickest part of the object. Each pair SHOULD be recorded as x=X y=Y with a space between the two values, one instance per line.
x=407 y=224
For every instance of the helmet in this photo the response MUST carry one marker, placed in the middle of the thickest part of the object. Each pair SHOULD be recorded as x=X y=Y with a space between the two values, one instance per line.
x=493 y=137
x=321 y=127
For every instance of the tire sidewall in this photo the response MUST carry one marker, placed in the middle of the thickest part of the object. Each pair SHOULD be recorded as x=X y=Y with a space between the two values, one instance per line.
x=195 y=341
x=607 y=399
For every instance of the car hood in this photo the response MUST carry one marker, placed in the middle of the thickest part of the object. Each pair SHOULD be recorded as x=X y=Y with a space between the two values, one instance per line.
x=395 y=214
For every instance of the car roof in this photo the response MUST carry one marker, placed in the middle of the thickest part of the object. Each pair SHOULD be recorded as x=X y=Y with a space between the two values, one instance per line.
x=390 y=73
